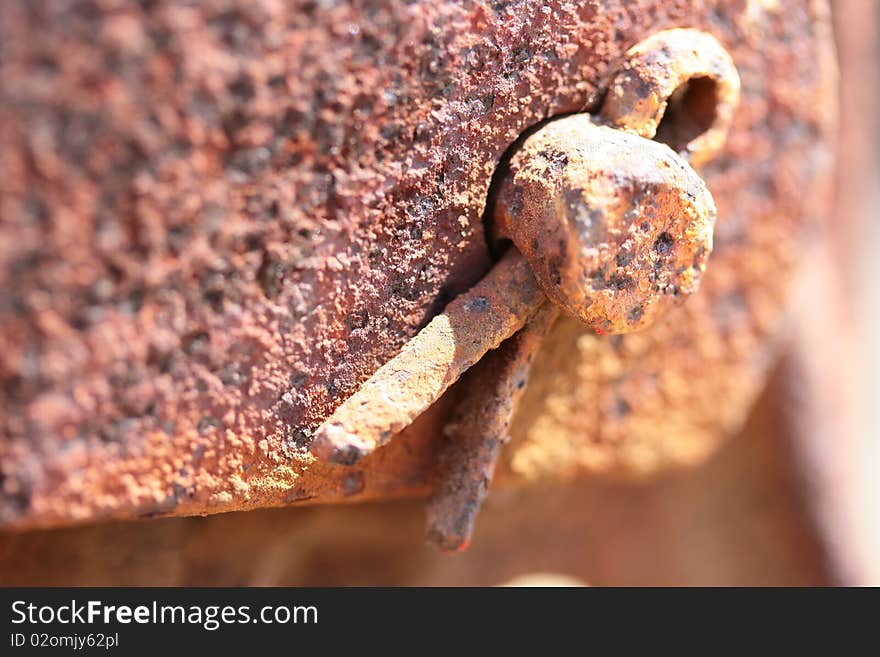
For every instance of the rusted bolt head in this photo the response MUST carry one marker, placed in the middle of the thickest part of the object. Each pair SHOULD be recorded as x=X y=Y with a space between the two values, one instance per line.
x=616 y=228
x=684 y=75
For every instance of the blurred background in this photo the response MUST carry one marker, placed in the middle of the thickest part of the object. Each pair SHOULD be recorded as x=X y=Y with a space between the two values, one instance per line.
x=857 y=203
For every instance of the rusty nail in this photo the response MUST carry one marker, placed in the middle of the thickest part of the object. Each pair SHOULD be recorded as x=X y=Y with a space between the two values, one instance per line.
x=611 y=227
x=486 y=399
x=616 y=228
x=472 y=324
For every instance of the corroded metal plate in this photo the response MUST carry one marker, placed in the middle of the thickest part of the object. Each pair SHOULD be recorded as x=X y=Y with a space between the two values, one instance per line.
x=215 y=222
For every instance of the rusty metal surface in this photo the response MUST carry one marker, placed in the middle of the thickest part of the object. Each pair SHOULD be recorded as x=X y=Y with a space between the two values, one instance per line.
x=735 y=519
x=216 y=222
